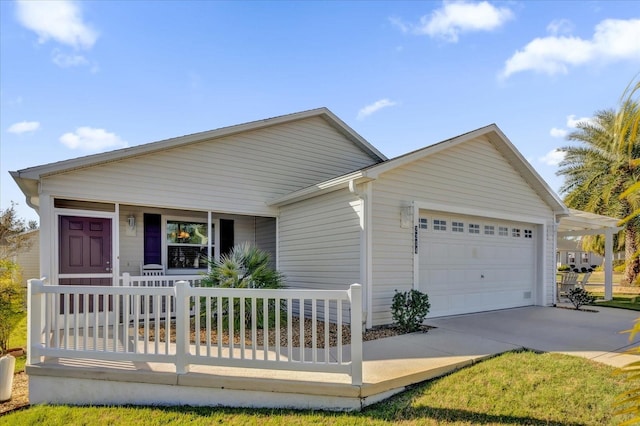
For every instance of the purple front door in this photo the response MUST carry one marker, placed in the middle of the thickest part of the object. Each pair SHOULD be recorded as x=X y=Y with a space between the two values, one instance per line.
x=85 y=248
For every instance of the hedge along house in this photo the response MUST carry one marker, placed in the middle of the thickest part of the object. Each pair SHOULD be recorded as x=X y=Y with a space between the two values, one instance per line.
x=467 y=220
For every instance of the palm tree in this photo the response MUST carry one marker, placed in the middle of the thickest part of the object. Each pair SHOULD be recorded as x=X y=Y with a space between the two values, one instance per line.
x=246 y=266
x=603 y=168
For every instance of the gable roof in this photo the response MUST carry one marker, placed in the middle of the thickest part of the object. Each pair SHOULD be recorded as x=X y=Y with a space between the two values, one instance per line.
x=27 y=178
x=491 y=132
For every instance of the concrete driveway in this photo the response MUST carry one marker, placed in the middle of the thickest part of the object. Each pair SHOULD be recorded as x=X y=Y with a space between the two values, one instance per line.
x=593 y=335
x=395 y=362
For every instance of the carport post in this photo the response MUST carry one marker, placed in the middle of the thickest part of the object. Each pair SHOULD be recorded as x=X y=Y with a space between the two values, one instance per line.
x=608 y=264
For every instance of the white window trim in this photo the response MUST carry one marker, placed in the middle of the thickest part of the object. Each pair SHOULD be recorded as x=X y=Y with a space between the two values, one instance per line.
x=215 y=248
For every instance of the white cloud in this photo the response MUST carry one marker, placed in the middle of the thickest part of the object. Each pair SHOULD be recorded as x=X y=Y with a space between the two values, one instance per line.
x=90 y=139
x=553 y=158
x=457 y=17
x=572 y=121
x=60 y=20
x=560 y=26
x=24 y=127
x=374 y=107
x=613 y=40
x=64 y=60
x=558 y=133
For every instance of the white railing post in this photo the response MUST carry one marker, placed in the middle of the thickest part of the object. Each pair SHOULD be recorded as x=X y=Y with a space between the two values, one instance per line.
x=355 y=296
x=182 y=326
x=126 y=280
x=35 y=316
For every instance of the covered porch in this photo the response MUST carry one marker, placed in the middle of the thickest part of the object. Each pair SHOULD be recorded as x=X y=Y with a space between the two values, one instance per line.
x=98 y=243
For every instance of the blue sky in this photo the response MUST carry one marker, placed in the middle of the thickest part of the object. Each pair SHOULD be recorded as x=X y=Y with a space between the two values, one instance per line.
x=78 y=78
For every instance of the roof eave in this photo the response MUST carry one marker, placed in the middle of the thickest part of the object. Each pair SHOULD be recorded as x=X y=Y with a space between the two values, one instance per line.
x=37 y=172
x=320 y=188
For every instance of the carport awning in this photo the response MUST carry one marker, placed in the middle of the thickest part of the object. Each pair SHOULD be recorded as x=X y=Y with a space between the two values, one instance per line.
x=580 y=223
x=584 y=223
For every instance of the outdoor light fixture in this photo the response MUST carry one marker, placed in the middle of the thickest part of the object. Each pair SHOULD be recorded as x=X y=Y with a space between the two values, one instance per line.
x=131 y=222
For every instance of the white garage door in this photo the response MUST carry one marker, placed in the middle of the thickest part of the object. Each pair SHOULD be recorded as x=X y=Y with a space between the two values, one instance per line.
x=470 y=264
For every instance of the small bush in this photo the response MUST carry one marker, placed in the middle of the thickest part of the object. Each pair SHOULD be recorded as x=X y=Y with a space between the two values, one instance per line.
x=579 y=296
x=409 y=309
x=246 y=266
x=563 y=268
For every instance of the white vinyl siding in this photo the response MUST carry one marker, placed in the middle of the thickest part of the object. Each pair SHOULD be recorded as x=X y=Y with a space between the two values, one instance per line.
x=319 y=245
x=473 y=176
x=29 y=258
x=234 y=174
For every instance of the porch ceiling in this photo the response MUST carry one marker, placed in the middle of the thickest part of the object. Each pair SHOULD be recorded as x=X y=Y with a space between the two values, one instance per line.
x=579 y=221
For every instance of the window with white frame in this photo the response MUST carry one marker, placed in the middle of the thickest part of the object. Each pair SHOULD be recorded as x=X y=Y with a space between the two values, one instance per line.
x=474 y=228
x=457 y=226
x=528 y=233
x=489 y=230
x=187 y=244
x=439 y=225
x=423 y=223
x=571 y=257
x=515 y=232
x=584 y=257
x=503 y=231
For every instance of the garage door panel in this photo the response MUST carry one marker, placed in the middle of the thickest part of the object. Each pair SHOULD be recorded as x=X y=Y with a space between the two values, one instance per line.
x=465 y=272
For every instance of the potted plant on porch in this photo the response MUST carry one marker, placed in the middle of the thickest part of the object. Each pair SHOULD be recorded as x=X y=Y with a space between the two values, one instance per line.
x=11 y=311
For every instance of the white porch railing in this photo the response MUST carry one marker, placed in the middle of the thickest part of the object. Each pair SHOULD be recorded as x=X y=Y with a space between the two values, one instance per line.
x=130 y=323
x=128 y=280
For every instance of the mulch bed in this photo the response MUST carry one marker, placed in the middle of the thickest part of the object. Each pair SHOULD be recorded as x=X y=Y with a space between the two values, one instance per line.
x=19 y=394
x=374 y=333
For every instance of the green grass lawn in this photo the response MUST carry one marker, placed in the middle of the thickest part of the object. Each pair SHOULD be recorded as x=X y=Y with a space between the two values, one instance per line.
x=629 y=301
x=514 y=388
x=18 y=339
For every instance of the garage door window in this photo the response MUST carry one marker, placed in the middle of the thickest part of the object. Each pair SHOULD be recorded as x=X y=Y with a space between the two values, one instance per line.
x=424 y=223
x=503 y=231
x=515 y=232
x=528 y=233
x=474 y=228
x=439 y=225
x=457 y=226
x=489 y=230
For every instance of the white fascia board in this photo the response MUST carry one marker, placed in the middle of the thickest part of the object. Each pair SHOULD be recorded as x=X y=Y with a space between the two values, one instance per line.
x=352 y=135
x=500 y=140
x=504 y=146
x=91 y=160
x=320 y=188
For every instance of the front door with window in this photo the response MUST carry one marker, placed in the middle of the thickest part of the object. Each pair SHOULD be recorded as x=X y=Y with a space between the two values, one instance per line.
x=85 y=253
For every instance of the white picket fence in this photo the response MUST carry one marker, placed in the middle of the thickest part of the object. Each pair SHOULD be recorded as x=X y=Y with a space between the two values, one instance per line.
x=146 y=321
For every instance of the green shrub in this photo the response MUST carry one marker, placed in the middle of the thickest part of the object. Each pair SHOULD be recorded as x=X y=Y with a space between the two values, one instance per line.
x=11 y=301
x=409 y=309
x=246 y=266
x=579 y=296
x=563 y=268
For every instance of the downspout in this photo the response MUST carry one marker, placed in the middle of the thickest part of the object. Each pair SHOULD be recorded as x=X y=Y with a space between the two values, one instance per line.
x=365 y=250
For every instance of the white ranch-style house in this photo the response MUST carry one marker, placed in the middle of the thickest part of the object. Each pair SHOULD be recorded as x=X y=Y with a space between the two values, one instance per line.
x=467 y=220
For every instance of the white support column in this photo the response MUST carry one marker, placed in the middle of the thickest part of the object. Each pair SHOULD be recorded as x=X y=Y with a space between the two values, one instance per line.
x=35 y=320
x=608 y=264
x=209 y=239
x=47 y=238
x=355 y=293
x=182 y=326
